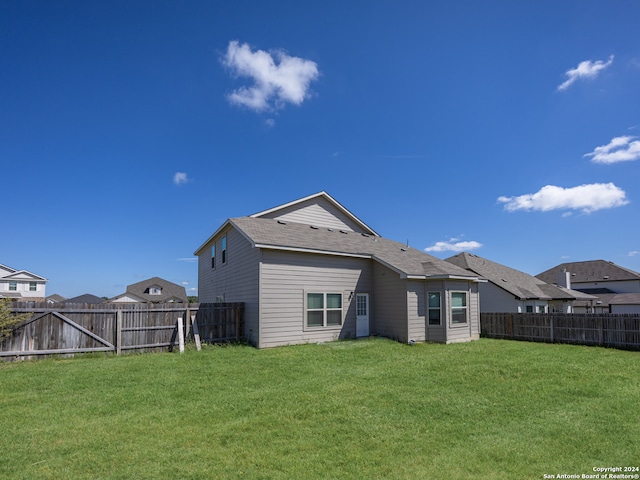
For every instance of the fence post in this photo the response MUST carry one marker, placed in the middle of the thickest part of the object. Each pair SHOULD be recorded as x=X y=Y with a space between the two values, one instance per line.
x=180 y=335
x=552 y=330
x=118 y=331
x=196 y=333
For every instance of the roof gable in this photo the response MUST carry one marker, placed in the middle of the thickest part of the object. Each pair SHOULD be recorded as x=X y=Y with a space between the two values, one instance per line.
x=320 y=210
x=13 y=274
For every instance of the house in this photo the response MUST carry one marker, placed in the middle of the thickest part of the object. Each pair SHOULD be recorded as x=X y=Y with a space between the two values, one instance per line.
x=21 y=285
x=311 y=271
x=152 y=290
x=510 y=290
x=617 y=288
x=55 y=298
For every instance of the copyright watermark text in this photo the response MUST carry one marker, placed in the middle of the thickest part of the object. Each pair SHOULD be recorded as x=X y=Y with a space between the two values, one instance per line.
x=599 y=472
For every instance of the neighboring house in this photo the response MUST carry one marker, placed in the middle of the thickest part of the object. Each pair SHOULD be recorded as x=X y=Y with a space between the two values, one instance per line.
x=152 y=290
x=55 y=298
x=311 y=271
x=510 y=290
x=85 y=298
x=21 y=285
x=617 y=288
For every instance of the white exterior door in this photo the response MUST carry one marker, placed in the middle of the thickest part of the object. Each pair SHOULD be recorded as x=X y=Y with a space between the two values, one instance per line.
x=362 y=314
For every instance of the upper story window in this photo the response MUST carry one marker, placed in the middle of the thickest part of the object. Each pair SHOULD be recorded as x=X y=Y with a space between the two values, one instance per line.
x=224 y=249
x=213 y=256
x=155 y=290
x=434 y=308
x=13 y=286
x=33 y=286
x=459 y=311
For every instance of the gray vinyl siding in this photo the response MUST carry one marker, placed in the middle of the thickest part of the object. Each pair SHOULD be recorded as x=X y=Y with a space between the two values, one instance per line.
x=318 y=212
x=618 y=286
x=389 y=305
x=495 y=299
x=416 y=310
x=236 y=280
x=470 y=330
x=286 y=277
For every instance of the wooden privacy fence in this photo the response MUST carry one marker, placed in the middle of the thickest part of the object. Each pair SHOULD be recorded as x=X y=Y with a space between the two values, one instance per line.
x=220 y=322
x=606 y=330
x=82 y=328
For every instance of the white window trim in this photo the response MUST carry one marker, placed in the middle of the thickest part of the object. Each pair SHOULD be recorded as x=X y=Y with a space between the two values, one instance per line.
x=452 y=324
x=429 y=308
x=324 y=326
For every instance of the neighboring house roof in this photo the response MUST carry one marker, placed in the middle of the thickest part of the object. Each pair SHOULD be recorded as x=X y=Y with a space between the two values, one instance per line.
x=590 y=271
x=520 y=284
x=55 y=298
x=169 y=291
x=7 y=273
x=625 y=299
x=408 y=262
x=86 y=298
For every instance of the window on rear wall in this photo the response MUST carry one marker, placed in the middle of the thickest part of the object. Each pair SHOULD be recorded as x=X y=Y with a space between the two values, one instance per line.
x=459 y=309
x=213 y=256
x=323 y=310
x=434 y=308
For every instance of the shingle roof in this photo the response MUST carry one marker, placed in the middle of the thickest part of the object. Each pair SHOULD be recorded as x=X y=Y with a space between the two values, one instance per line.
x=520 y=284
x=590 y=271
x=85 y=298
x=407 y=261
x=170 y=290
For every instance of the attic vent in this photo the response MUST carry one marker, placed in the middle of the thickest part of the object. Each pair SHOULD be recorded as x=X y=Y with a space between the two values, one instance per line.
x=330 y=229
x=281 y=222
x=364 y=235
x=403 y=249
x=314 y=227
x=342 y=231
x=606 y=277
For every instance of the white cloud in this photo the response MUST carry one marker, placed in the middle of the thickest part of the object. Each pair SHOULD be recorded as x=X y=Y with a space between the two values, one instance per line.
x=454 y=245
x=187 y=259
x=586 y=69
x=619 y=149
x=634 y=253
x=586 y=198
x=180 y=177
x=278 y=78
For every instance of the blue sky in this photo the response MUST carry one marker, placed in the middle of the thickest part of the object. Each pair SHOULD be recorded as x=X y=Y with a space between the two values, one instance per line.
x=130 y=130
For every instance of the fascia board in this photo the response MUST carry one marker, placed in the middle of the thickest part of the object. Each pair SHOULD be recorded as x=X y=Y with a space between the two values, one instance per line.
x=445 y=277
x=309 y=250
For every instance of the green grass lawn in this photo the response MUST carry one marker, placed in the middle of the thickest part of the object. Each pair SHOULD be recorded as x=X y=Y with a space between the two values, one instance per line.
x=355 y=409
